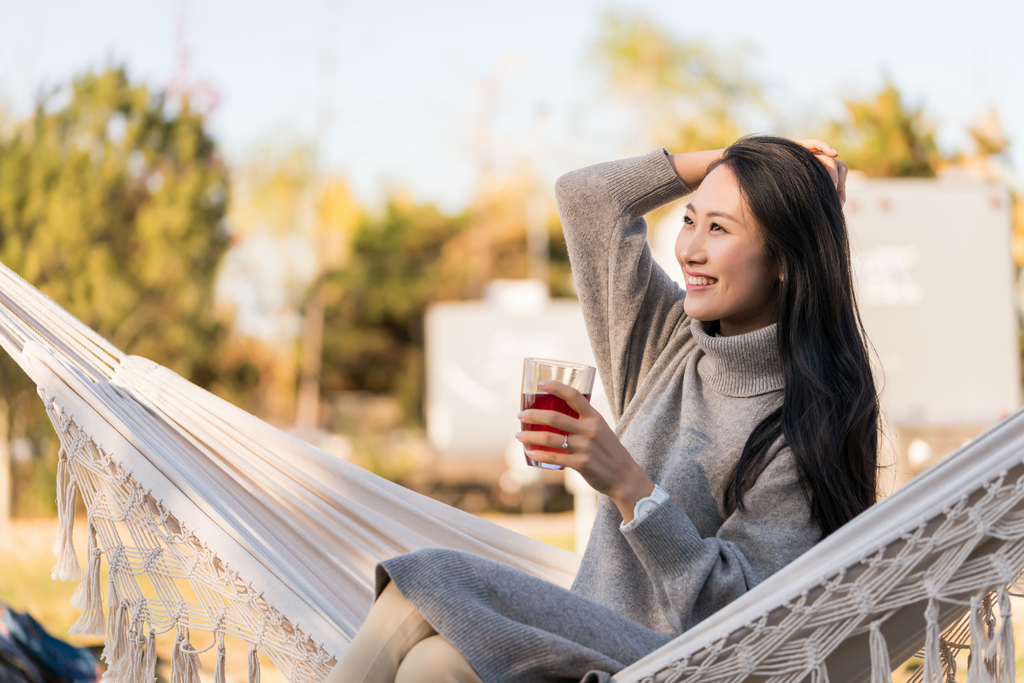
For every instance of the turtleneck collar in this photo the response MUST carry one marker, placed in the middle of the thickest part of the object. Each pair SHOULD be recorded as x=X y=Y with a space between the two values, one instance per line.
x=742 y=365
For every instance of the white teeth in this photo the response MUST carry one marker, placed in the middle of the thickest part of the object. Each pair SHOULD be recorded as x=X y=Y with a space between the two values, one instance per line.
x=700 y=281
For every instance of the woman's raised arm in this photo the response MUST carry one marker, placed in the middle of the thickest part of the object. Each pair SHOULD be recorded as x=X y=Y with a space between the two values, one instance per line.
x=691 y=167
x=632 y=308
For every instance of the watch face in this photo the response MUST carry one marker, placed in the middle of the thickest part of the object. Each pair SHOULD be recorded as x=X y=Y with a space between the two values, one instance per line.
x=645 y=508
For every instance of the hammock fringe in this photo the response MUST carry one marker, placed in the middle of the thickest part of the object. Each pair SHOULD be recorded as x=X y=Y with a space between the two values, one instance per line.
x=116 y=652
x=218 y=672
x=88 y=597
x=1007 y=654
x=977 y=663
x=67 y=567
x=136 y=653
x=185 y=664
x=254 y=665
x=932 y=658
x=881 y=668
x=148 y=672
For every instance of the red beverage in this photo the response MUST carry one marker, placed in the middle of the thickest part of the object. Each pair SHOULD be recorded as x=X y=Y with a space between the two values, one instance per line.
x=538 y=370
x=546 y=402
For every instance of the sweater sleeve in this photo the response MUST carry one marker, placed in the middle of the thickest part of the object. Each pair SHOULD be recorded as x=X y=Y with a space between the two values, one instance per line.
x=694 y=577
x=632 y=308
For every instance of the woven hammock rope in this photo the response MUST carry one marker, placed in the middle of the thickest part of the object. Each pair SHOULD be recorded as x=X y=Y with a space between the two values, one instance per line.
x=147 y=551
x=277 y=540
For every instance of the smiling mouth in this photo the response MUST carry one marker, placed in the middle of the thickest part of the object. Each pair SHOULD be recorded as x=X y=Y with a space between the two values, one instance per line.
x=700 y=281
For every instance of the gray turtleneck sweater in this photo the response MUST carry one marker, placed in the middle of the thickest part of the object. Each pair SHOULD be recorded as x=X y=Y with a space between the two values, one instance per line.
x=685 y=403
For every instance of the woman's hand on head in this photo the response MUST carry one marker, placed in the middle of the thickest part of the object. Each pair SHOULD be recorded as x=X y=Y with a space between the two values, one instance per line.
x=829 y=159
x=593 y=449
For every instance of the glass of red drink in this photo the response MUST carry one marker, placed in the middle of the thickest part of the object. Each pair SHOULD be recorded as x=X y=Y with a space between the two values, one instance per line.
x=579 y=377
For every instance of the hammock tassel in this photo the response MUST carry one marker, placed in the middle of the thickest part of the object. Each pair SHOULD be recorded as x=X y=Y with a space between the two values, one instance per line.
x=185 y=664
x=67 y=567
x=132 y=670
x=254 y=665
x=116 y=651
x=148 y=672
x=218 y=672
x=881 y=667
x=176 y=659
x=113 y=612
x=977 y=669
x=1001 y=648
x=88 y=597
x=932 y=658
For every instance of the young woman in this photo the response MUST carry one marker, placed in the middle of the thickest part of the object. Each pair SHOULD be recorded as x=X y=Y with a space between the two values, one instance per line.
x=746 y=425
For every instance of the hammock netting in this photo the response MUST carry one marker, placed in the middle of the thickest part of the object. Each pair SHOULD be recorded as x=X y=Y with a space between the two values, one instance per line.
x=212 y=523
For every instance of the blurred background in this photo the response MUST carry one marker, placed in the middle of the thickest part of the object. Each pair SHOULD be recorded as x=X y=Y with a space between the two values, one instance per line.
x=339 y=216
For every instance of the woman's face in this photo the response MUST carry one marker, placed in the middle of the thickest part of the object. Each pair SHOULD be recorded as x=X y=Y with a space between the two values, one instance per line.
x=728 y=278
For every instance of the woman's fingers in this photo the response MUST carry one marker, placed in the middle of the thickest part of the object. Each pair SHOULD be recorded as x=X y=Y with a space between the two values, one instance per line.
x=831 y=166
x=574 y=398
x=553 y=441
x=844 y=171
x=550 y=418
x=546 y=439
x=549 y=457
x=818 y=146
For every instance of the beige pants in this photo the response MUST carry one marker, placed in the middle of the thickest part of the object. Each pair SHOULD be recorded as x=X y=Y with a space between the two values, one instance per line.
x=396 y=645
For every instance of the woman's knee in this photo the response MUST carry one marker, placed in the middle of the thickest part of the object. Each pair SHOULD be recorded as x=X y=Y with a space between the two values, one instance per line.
x=435 y=660
x=391 y=629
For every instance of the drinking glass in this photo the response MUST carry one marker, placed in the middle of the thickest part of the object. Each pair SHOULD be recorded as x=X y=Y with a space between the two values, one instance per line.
x=579 y=377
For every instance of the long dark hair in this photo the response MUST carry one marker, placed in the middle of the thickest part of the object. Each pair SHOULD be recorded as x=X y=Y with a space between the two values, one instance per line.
x=829 y=413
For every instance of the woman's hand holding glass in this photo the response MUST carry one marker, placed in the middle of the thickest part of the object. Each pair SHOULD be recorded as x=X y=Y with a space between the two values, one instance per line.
x=592 y=449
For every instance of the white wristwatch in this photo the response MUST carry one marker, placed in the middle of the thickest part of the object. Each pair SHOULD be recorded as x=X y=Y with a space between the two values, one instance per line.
x=646 y=506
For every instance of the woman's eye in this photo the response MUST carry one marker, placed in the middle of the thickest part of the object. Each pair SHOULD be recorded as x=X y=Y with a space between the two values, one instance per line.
x=687 y=221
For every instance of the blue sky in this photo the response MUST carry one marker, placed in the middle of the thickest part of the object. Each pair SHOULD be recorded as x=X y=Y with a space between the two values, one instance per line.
x=400 y=93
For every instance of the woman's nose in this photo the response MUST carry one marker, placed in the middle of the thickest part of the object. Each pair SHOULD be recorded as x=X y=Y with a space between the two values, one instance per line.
x=691 y=248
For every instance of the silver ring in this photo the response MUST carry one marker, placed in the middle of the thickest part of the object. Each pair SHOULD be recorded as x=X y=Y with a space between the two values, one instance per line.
x=565 y=443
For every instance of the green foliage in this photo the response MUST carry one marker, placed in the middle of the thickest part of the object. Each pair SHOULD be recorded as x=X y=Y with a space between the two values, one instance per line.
x=882 y=137
x=404 y=259
x=110 y=202
x=375 y=305
x=688 y=96
x=110 y=205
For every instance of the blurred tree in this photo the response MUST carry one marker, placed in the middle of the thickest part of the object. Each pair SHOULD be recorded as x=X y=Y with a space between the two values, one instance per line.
x=687 y=96
x=291 y=227
x=411 y=255
x=337 y=214
x=268 y=271
x=882 y=137
x=374 y=305
x=111 y=202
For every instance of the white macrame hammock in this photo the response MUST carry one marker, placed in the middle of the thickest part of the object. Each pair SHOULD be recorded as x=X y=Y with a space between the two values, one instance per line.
x=275 y=542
